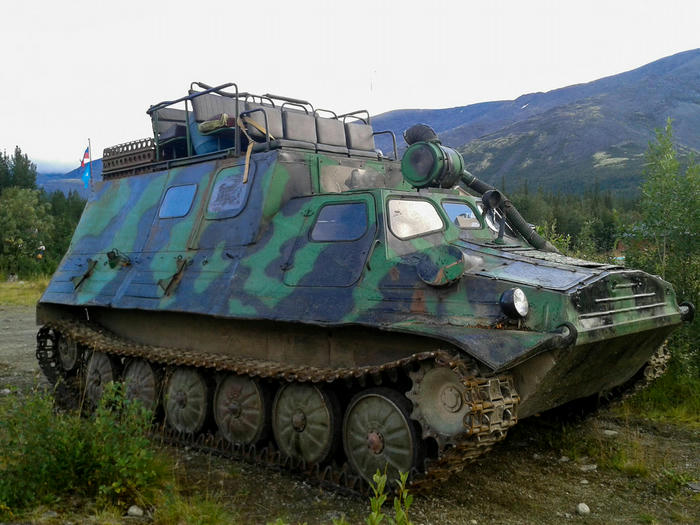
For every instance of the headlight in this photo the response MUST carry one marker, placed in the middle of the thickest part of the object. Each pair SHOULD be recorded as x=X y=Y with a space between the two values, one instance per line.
x=514 y=303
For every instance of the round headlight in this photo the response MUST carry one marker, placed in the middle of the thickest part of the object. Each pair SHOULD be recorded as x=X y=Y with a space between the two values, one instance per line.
x=514 y=303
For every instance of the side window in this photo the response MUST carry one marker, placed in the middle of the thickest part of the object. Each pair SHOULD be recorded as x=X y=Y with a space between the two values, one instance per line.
x=229 y=195
x=461 y=215
x=177 y=201
x=412 y=217
x=340 y=222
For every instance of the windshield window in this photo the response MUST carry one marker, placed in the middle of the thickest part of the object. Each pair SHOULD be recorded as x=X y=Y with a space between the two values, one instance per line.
x=461 y=215
x=412 y=217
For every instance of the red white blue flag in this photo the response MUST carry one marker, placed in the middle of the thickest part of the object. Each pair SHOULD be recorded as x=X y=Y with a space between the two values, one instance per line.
x=86 y=156
x=86 y=174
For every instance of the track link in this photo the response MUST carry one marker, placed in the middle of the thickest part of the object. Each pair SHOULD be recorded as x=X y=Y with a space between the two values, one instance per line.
x=493 y=402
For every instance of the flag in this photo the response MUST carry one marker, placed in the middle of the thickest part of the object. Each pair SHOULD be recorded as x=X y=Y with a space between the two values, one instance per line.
x=86 y=156
x=86 y=174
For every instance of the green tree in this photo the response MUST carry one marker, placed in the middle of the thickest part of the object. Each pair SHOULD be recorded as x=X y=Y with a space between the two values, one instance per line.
x=25 y=225
x=66 y=212
x=23 y=170
x=666 y=237
x=5 y=173
x=665 y=240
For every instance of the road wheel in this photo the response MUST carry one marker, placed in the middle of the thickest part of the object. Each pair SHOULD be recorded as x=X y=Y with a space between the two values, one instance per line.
x=186 y=401
x=142 y=383
x=306 y=422
x=378 y=434
x=241 y=408
x=102 y=369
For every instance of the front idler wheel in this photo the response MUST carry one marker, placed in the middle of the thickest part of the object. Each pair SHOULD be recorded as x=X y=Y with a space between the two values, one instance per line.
x=68 y=354
x=306 y=422
x=378 y=434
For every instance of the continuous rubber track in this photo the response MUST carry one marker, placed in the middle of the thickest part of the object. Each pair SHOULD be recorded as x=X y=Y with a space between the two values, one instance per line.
x=492 y=401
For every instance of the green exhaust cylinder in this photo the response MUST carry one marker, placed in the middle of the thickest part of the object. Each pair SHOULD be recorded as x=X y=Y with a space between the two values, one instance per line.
x=429 y=164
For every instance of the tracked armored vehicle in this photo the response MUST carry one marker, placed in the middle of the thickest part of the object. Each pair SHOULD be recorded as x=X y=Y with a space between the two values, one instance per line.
x=271 y=285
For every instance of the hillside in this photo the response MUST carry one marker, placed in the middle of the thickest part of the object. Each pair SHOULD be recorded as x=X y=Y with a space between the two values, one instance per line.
x=70 y=181
x=567 y=138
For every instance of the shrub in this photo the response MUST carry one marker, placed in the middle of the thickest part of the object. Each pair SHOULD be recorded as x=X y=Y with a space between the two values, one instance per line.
x=45 y=455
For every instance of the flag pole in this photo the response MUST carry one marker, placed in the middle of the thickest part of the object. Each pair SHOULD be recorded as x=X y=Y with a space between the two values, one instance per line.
x=90 y=162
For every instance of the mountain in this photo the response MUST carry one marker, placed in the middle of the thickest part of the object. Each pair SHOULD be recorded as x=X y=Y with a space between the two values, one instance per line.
x=569 y=138
x=70 y=181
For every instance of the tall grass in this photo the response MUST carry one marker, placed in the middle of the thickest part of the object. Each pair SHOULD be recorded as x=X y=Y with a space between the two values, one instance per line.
x=22 y=293
x=671 y=399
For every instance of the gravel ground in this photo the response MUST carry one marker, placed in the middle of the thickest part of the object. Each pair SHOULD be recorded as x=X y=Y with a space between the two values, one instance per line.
x=523 y=481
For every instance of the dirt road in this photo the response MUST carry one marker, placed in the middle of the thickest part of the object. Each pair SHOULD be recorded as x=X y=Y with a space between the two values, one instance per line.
x=525 y=480
x=18 y=365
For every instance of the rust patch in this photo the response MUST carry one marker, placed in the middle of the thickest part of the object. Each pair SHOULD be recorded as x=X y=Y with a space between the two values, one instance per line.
x=418 y=302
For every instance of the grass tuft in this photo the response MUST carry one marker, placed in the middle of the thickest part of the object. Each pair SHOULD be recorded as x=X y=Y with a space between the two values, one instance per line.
x=191 y=510
x=22 y=293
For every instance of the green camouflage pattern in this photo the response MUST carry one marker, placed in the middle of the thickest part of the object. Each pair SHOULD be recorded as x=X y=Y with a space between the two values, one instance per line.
x=245 y=250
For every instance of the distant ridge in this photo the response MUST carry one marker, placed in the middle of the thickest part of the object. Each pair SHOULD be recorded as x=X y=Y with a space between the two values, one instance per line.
x=71 y=181
x=569 y=138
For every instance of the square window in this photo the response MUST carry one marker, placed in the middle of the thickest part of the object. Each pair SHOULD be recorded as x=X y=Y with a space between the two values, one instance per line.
x=177 y=201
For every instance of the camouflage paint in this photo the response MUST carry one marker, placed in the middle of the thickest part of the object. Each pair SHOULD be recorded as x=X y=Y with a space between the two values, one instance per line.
x=262 y=264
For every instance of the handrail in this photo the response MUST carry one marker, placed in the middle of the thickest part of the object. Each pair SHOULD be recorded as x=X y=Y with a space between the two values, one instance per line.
x=316 y=111
x=393 y=138
x=297 y=105
x=237 y=95
x=190 y=96
x=208 y=88
x=289 y=99
x=261 y=97
x=354 y=114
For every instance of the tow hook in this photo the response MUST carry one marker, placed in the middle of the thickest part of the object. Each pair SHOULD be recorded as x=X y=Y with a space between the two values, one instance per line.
x=687 y=311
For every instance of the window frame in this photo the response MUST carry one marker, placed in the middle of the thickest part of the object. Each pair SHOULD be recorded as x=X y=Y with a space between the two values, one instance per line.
x=189 y=207
x=336 y=203
x=221 y=215
x=478 y=216
x=415 y=199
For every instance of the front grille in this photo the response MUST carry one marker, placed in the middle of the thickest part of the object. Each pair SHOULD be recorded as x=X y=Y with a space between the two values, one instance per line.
x=620 y=293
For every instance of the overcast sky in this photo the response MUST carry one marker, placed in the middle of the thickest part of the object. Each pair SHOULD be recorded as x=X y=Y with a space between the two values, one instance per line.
x=79 y=69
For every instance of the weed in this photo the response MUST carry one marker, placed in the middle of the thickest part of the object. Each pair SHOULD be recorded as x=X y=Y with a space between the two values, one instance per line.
x=670 y=482
x=192 y=510
x=377 y=500
x=402 y=501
